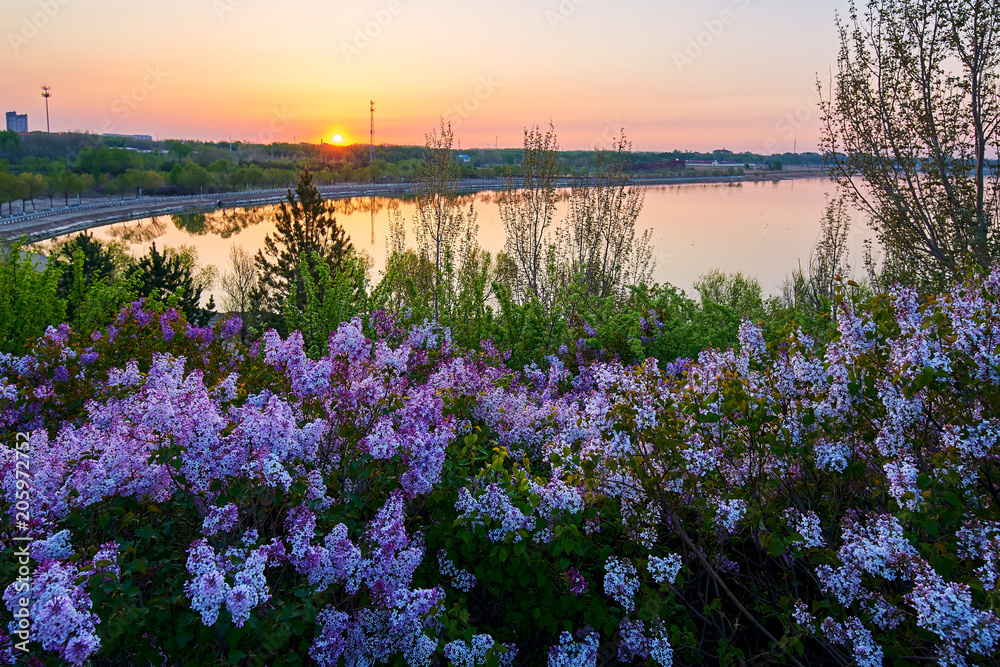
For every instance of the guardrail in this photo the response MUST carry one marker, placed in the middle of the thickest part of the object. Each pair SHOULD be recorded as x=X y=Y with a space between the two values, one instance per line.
x=340 y=190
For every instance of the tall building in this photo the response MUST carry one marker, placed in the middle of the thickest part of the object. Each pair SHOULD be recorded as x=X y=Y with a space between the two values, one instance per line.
x=17 y=122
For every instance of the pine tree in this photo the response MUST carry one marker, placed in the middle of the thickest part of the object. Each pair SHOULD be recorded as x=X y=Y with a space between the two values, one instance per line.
x=98 y=262
x=163 y=275
x=305 y=226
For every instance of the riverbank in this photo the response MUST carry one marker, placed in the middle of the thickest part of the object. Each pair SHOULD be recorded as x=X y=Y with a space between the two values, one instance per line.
x=42 y=225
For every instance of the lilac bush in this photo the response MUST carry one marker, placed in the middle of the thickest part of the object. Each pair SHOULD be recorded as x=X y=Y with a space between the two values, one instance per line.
x=400 y=500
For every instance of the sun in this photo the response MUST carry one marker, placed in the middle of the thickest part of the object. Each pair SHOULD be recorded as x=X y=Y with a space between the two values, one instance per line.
x=337 y=138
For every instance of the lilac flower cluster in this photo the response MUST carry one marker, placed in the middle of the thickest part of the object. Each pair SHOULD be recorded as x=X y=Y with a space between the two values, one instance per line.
x=478 y=651
x=981 y=540
x=867 y=653
x=895 y=411
x=640 y=643
x=463 y=580
x=571 y=653
x=234 y=580
x=60 y=612
x=577 y=584
x=808 y=526
x=665 y=570
x=621 y=582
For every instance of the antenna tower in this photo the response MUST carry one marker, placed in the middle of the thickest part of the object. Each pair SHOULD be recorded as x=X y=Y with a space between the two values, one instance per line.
x=371 y=144
x=46 y=94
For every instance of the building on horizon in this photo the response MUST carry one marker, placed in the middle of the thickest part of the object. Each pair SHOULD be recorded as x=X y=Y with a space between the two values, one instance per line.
x=17 y=122
x=140 y=137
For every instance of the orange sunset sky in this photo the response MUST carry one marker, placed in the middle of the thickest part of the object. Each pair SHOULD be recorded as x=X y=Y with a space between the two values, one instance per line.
x=738 y=74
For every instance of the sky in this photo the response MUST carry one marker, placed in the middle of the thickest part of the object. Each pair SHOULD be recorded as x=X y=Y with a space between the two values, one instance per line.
x=684 y=75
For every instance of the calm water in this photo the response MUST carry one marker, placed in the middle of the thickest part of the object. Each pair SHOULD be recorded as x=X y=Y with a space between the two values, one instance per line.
x=761 y=229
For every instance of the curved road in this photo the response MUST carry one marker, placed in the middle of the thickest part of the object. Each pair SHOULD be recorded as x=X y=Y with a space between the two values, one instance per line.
x=59 y=221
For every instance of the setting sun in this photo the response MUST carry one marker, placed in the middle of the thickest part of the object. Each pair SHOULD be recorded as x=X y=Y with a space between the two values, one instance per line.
x=337 y=138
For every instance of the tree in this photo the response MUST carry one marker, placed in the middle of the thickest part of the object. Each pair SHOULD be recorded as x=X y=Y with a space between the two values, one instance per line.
x=167 y=277
x=66 y=182
x=333 y=297
x=440 y=221
x=598 y=244
x=241 y=287
x=909 y=121
x=828 y=261
x=96 y=261
x=28 y=299
x=734 y=290
x=304 y=226
x=179 y=148
x=527 y=208
x=34 y=185
x=9 y=142
x=142 y=179
x=11 y=189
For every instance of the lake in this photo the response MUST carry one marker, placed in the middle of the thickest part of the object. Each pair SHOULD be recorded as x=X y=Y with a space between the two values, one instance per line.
x=763 y=229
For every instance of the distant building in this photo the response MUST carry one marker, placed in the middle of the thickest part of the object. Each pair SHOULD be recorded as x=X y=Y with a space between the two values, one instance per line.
x=17 y=122
x=139 y=137
x=464 y=158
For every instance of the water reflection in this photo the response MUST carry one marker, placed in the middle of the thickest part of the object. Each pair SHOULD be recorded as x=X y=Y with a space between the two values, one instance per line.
x=761 y=229
x=223 y=223
x=138 y=231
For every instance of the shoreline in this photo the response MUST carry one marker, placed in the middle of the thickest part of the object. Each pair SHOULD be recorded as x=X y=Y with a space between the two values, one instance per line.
x=56 y=222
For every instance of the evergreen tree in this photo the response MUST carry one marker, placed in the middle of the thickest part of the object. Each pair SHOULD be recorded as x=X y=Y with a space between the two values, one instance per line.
x=305 y=227
x=164 y=276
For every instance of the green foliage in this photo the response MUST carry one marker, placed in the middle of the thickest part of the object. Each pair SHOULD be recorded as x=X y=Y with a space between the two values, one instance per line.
x=83 y=261
x=733 y=290
x=335 y=296
x=165 y=277
x=305 y=227
x=29 y=300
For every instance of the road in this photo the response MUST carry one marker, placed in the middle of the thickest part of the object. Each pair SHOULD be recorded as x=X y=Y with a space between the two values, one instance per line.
x=58 y=221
